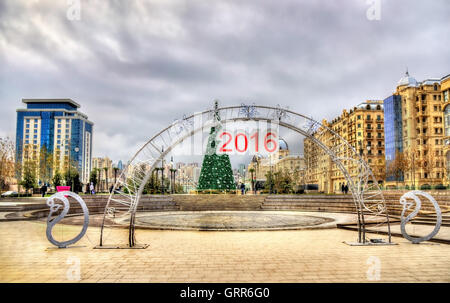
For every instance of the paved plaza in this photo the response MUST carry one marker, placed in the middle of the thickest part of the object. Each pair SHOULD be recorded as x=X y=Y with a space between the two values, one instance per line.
x=199 y=256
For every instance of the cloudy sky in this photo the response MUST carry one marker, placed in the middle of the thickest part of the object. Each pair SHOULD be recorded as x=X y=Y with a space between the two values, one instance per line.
x=136 y=65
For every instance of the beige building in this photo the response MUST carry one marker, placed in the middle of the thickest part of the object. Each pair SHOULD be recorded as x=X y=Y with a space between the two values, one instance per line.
x=422 y=114
x=361 y=126
x=187 y=175
x=445 y=89
x=106 y=178
x=280 y=161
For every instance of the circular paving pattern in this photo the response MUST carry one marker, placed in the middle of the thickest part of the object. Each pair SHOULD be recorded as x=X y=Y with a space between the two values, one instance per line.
x=230 y=220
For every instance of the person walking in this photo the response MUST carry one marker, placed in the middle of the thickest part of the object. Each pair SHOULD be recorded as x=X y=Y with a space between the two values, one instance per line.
x=242 y=188
x=43 y=190
x=343 y=188
x=91 y=188
x=346 y=188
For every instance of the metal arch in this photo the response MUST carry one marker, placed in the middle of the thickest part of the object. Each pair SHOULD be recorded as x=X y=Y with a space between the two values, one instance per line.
x=367 y=199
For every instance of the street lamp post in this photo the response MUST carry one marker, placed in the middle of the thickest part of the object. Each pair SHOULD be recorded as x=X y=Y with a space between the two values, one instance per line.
x=172 y=177
x=76 y=149
x=162 y=171
x=414 y=169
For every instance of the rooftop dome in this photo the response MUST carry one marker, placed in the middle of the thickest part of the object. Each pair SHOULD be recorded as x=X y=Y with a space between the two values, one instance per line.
x=407 y=80
x=283 y=144
x=256 y=157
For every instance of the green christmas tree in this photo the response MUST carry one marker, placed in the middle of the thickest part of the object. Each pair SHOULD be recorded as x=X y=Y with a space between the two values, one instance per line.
x=216 y=170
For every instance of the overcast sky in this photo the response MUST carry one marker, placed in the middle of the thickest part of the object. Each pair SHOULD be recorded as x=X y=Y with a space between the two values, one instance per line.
x=135 y=65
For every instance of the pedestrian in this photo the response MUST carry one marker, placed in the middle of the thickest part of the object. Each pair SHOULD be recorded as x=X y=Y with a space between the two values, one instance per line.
x=111 y=189
x=242 y=188
x=91 y=187
x=43 y=190
x=346 y=188
x=343 y=188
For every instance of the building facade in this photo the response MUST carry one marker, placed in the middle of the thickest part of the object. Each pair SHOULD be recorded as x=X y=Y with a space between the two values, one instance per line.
x=363 y=128
x=393 y=125
x=421 y=106
x=105 y=171
x=280 y=161
x=58 y=128
x=445 y=88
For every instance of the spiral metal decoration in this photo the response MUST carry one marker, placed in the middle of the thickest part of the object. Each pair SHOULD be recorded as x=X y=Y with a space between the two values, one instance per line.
x=51 y=222
x=407 y=204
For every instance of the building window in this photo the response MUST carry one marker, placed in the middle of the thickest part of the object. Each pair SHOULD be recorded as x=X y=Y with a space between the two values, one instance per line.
x=447 y=120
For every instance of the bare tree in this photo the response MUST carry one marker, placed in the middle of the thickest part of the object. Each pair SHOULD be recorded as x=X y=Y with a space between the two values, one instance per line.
x=398 y=167
x=7 y=163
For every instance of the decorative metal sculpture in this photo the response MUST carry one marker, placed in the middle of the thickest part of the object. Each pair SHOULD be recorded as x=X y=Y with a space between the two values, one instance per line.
x=311 y=126
x=367 y=195
x=62 y=196
x=407 y=204
x=281 y=113
x=182 y=125
x=248 y=111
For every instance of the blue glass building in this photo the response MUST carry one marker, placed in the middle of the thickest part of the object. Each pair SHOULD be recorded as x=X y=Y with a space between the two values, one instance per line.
x=393 y=131
x=57 y=125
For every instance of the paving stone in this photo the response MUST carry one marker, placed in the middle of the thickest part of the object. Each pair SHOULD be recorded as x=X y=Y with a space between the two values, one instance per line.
x=194 y=256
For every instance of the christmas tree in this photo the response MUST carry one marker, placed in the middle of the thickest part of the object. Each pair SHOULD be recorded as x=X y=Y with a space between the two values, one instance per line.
x=216 y=170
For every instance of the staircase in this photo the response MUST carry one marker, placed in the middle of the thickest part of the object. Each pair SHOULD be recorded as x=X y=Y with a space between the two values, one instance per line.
x=312 y=203
x=219 y=202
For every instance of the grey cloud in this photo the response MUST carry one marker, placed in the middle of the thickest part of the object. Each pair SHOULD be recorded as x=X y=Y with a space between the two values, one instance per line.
x=135 y=66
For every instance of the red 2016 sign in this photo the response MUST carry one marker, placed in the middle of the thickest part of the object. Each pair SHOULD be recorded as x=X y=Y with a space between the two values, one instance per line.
x=241 y=142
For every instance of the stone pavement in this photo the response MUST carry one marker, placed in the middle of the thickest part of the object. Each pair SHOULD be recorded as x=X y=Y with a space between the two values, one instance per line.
x=193 y=256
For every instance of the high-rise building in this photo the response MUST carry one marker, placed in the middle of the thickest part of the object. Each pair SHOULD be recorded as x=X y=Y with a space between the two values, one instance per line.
x=420 y=140
x=363 y=128
x=105 y=170
x=56 y=126
x=393 y=124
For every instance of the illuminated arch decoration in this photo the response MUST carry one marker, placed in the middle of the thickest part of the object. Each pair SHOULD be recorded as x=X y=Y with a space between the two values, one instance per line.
x=368 y=198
